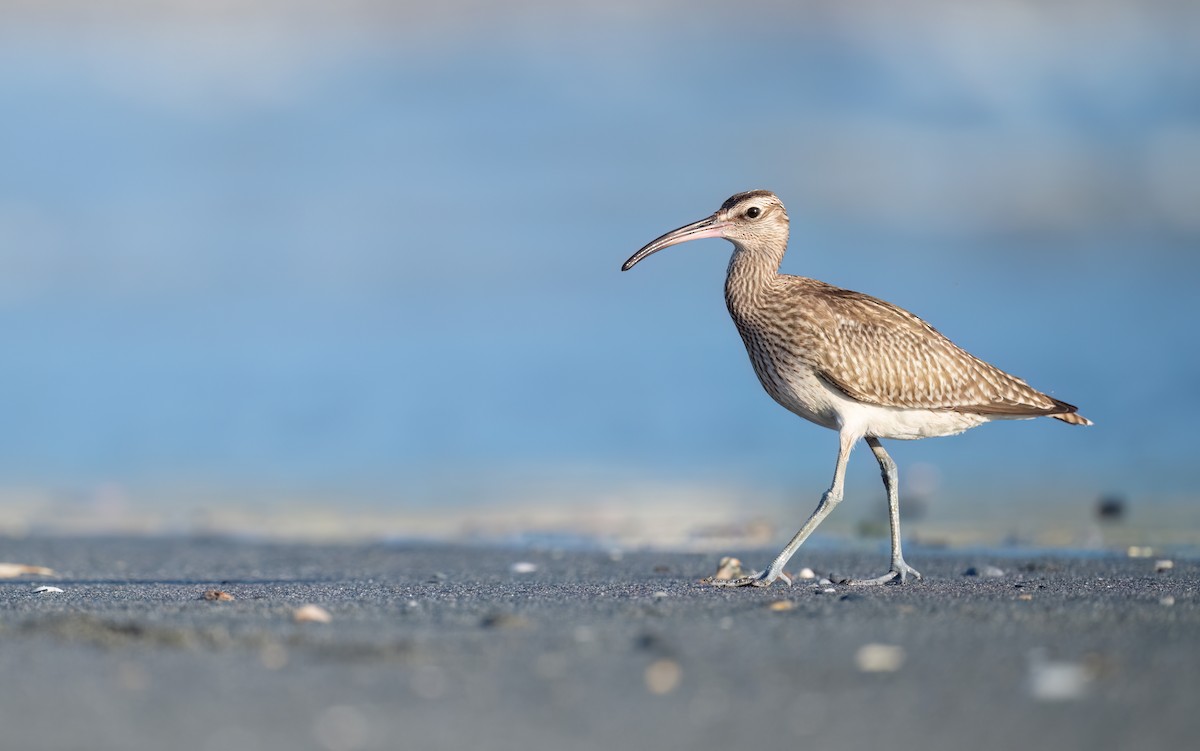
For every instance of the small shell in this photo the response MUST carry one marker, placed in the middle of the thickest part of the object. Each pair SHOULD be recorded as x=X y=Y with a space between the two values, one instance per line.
x=1165 y=564
x=781 y=606
x=991 y=571
x=879 y=658
x=216 y=595
x=663 y=676
x=729 y=568
x=504 y=621
x=13 y=570
x=1057 y=680
x=806 y=573
x=311 y=614
x=46 y=590
x=524 y=567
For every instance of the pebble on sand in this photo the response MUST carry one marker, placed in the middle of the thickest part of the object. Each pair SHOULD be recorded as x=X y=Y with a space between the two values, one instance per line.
x=13 y=570
x=311 y=614
x=989 y=571
x=504 y=621
x=781 y=606
x=524 y=567
x=216 y=595
x=1162 y=565
x=46 y=590
x=879 y=658
x=729 y=568
x=1056 y=680
x=663 y=676
x=806 y=573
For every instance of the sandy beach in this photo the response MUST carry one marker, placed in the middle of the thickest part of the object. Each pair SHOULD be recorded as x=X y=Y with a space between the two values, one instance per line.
x=507 y=648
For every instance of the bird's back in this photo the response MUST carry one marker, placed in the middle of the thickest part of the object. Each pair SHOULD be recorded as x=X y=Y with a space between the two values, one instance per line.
x=876 y=353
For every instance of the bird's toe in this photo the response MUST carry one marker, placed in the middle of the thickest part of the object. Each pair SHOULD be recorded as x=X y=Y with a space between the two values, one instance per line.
x=898 y=574
x=757 y=579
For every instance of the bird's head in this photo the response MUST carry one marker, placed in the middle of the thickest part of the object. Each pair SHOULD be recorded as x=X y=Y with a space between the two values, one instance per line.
x=754 y=220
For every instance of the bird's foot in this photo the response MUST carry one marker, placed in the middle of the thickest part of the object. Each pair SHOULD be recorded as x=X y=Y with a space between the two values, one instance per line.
x=898 y=574
x=757 y=579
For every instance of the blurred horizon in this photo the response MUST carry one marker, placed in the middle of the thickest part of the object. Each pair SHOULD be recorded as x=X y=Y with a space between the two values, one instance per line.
x=366 y=256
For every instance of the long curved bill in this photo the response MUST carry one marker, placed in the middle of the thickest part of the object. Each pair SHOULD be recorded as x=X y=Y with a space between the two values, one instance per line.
x=708 y=227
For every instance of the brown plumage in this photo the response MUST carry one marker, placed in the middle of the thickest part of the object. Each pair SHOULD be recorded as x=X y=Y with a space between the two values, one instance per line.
x=881 y=354
x=849 y=361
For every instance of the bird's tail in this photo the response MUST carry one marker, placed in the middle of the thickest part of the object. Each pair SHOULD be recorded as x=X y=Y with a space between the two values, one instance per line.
x=1069 y=415
x=1071 y=418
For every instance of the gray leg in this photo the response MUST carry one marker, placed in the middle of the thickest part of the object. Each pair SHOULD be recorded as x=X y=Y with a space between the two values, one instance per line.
x=829 y=500
x=900 y=570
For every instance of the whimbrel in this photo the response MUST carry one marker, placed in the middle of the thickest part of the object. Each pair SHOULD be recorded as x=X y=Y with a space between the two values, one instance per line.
x=848 y=362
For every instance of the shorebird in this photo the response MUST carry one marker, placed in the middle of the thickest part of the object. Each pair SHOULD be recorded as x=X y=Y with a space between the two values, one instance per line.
x=848 y=362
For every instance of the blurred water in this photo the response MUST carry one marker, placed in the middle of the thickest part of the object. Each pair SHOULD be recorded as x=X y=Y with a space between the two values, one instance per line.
x=376 y=255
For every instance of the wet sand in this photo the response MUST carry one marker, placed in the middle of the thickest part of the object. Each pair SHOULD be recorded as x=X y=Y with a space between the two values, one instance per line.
x=451 y=647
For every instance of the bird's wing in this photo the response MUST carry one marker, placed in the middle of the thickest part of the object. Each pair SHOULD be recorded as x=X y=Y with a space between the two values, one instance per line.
x=881 y=354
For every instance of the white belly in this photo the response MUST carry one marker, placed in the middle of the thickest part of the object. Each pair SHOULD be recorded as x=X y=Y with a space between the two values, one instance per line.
x=803 y=393
x=905 y=424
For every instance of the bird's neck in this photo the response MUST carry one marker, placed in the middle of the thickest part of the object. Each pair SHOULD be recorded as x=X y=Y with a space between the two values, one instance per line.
x=751 y=272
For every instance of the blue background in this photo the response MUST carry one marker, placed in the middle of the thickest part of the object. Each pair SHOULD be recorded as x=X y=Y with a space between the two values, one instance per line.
x=369 y=256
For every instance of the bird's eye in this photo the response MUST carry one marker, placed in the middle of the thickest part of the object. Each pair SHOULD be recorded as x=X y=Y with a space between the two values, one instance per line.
x=753 y=212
